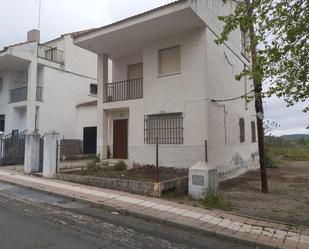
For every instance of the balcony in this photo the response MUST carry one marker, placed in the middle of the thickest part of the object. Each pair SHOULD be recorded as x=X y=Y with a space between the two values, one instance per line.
x=123 y=90
x=20 y=94
x=50 y=53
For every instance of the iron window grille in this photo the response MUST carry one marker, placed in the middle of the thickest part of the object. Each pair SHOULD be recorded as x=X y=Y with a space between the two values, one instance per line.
x=2 y=123
x=242 y=130
x=253 y=133
x=168 y=128
x=93 y=89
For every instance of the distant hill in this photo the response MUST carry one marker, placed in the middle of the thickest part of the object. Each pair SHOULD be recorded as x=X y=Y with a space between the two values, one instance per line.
x=294 y=137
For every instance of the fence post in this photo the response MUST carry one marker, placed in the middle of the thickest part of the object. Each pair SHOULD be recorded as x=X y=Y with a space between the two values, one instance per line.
x=157 y=159
x=50 y=154
x=32 y=153
x=206 y=152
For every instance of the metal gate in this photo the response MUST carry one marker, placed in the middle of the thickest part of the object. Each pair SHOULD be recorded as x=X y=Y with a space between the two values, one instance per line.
x=13 y=148
x=41 y=155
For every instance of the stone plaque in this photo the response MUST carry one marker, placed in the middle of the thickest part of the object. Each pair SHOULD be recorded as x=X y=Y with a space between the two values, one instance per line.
x=198 y=180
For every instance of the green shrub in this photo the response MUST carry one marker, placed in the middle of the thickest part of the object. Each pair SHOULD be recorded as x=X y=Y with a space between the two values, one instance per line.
x=269 y=160
x=214 y=199
x=120 y=166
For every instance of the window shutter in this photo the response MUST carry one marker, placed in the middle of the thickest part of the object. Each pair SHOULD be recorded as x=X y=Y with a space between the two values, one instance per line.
x=169 y=60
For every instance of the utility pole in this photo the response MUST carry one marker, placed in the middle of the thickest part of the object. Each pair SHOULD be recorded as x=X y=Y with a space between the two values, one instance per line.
x=257 y=82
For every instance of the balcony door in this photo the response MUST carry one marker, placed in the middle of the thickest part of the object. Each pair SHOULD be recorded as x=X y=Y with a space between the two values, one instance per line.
x=135 y=71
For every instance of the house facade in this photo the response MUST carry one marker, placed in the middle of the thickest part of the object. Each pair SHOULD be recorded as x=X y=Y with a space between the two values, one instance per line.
x=41 y=86
x=172 y=85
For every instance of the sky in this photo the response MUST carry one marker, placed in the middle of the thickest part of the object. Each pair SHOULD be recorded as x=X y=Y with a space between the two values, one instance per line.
x=64 y=16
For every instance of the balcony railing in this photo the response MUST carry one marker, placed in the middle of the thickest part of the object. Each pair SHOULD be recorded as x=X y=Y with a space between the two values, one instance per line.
x=123 y=90
x=39 y=93
x=50 y=53
x=20 y=94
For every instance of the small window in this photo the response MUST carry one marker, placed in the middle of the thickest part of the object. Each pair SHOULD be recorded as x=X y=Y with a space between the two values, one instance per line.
x=242 y=130
x=168 y=128
x=2 y=122
x=253 y=132
x=169 y=61
x=244 y=41
x=93 y=89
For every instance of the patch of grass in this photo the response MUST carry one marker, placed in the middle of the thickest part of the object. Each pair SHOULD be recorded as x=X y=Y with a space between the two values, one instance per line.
x=214 y=199
x=120 y=166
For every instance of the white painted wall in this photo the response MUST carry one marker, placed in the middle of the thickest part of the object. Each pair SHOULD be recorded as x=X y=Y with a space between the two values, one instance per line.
x=64 y=87
x=86 y=117
x=62 y=92
x=207 y=72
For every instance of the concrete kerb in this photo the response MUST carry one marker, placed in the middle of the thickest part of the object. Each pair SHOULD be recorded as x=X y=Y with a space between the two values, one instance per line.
x=110 y=208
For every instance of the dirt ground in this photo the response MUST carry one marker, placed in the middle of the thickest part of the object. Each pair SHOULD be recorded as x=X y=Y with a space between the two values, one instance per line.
x=140 y=174
x=288 y=197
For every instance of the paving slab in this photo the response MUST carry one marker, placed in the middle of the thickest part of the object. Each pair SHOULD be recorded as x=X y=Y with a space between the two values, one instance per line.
x=255 y=231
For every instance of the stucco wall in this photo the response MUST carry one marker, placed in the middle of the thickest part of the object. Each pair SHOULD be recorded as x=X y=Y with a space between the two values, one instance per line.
x=62 y=92
x=86 y=116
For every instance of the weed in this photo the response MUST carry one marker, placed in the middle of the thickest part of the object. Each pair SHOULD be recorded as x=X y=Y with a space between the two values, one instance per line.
x=214 y=199
x=120 y=166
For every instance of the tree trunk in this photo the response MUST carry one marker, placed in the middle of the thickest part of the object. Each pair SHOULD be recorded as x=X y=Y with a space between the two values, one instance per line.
x=257 y=82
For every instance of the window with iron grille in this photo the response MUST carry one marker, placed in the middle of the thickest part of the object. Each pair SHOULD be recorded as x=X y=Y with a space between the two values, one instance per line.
x=2 y=122
x=93 y=89
x=242 y=130
x=244 y=42
x=168 y=128
x=253 y=133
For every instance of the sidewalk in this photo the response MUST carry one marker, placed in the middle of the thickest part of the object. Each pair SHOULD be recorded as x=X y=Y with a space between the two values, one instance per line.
x=222 y=224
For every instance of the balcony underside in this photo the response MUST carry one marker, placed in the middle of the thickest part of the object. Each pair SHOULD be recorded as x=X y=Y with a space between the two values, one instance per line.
x=128 y=36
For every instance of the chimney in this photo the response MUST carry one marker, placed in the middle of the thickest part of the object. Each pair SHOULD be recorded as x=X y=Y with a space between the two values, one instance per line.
x=33 y=35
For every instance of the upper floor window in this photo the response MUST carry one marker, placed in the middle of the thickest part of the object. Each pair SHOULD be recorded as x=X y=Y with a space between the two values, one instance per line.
x=244 y=41
x=167 y=128
x=2 y=122
x=93 y=89
x=169 y=61
x=51 y=54
x=242 y=130
x=253 y=132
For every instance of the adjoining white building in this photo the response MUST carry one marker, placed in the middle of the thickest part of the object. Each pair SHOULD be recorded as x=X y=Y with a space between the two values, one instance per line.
x=167 y=71
x=41 y=86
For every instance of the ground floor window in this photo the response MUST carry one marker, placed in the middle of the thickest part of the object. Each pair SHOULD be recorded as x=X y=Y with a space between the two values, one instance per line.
x=242 y=130
x=253 y=133
x=2 y=122
x=168 y=128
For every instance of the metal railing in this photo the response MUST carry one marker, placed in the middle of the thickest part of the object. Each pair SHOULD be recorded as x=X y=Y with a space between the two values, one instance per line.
x=20 y=94
x=50 y=53
x=123 y=90
x=39 y=93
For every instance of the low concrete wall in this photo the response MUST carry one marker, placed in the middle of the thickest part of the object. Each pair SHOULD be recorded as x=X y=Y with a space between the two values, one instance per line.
x=179 y=185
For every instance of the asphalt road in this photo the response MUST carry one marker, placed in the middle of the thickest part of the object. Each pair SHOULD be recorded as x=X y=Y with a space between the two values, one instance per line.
x=32 y=220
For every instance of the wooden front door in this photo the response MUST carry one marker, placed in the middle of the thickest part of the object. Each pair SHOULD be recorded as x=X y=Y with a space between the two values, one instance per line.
x=120 y=139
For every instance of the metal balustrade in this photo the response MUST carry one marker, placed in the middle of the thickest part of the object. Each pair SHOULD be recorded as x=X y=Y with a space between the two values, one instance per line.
x=123 y=90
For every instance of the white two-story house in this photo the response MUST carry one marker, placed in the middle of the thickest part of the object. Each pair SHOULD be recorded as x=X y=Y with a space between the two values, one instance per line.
x=171 y=83
x=42 y=86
